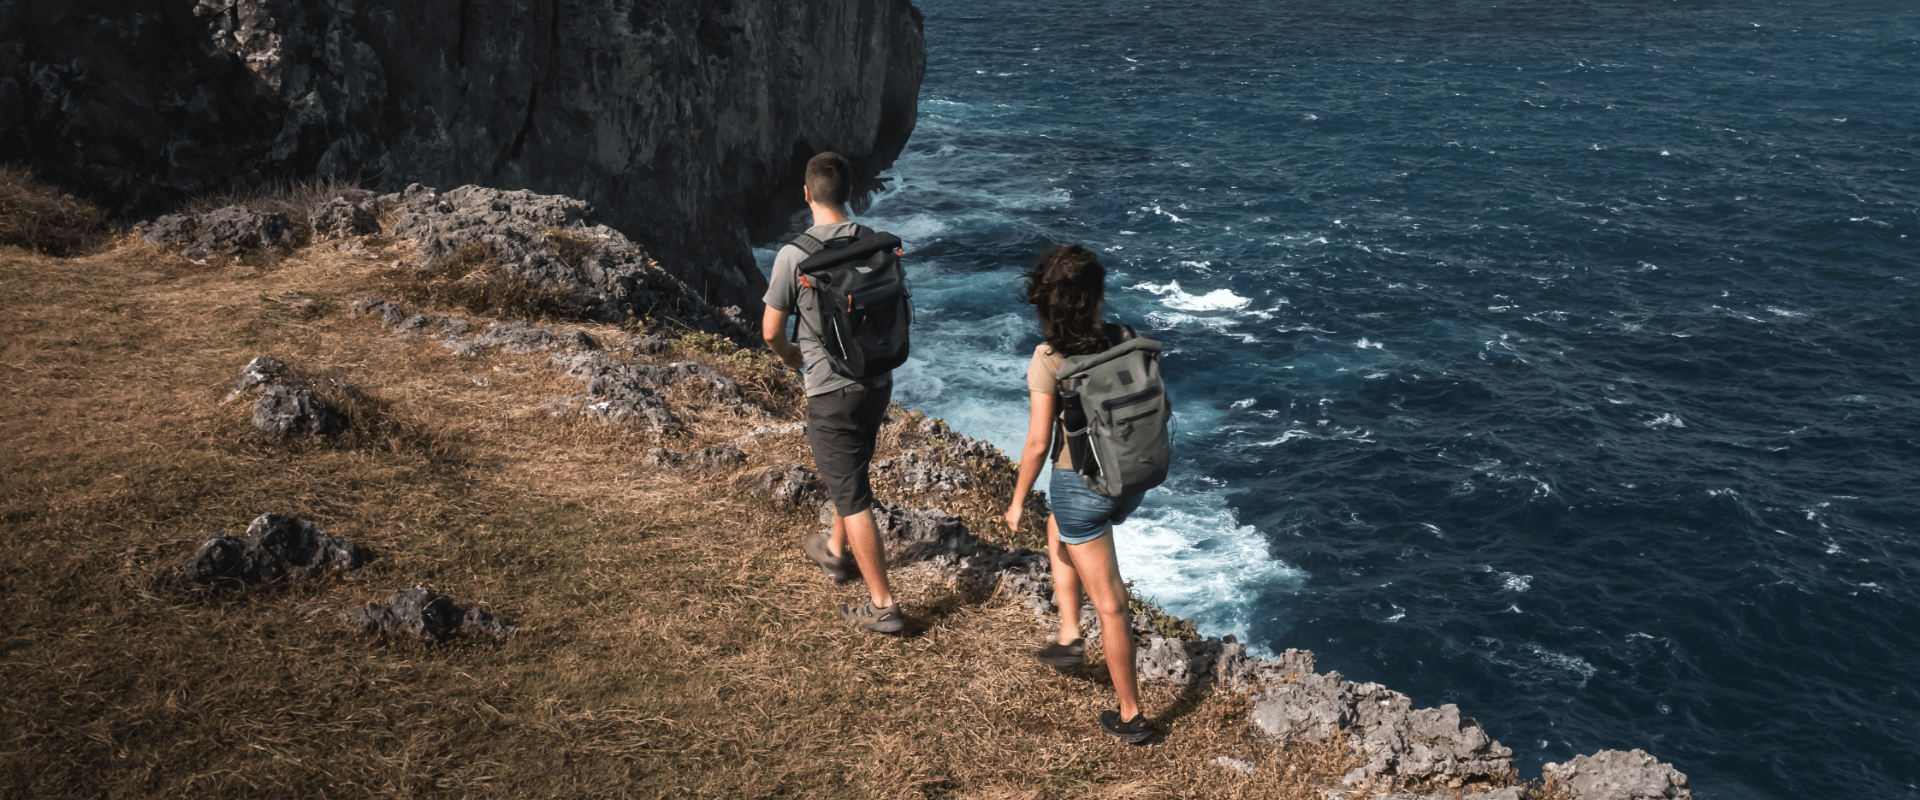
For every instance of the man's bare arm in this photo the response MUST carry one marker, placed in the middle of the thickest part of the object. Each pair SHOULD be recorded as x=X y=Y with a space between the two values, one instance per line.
x=773 y=328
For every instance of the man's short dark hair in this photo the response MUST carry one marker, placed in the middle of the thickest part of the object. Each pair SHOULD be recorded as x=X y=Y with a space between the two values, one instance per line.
x=830 y=179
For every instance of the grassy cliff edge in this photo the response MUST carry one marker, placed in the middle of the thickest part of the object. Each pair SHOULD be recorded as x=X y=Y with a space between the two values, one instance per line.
x=673 y=640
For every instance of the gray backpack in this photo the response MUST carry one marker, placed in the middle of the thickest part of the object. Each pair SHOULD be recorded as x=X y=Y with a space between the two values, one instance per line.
x=1115 y=413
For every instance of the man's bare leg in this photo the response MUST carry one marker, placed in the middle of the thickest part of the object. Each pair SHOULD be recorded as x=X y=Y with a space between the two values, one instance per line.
x=859 y=533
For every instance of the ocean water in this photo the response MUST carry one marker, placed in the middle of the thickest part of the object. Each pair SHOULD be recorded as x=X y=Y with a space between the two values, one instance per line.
x=1553 y=358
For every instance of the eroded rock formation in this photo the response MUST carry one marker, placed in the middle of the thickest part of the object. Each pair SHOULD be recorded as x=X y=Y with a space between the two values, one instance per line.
x=274 y=548
x=685 y=122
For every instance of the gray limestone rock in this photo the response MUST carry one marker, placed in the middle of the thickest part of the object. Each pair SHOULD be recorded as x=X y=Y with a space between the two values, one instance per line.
x=274 y=548
x=1403 y=746
x=234 y=230
x=1620 y=775
x=791 y=485
x=422 y=614
x=1506 y=793
x=340 y=217
x=549 y=239
x=415 y=612
x=417 y=325
x=289 y=411
x=516 y=337
x=1311 y=708
x=481 y=618
x=262 y=370
x=386 y=313
x=917 y=473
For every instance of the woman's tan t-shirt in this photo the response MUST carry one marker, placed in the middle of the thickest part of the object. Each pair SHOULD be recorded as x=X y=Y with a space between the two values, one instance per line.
x=1041 y=372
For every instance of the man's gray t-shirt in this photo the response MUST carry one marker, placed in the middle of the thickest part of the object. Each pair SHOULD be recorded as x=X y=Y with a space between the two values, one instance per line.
x=783 y=293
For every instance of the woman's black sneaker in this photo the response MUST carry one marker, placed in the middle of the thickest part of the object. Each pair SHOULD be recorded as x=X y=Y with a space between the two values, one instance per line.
x=1133 y=731
x=1062 y=656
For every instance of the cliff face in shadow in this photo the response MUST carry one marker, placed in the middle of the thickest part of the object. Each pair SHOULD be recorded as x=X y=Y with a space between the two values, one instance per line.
x=685 y=122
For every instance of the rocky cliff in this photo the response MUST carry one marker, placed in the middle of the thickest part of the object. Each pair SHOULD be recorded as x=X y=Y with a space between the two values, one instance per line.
x=686 y=123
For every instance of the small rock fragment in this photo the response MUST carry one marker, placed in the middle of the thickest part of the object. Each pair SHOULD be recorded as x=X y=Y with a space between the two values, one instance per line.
x=1223 y=762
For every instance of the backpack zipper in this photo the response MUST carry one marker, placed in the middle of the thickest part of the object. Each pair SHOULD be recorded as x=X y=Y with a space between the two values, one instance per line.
x=1137 y=397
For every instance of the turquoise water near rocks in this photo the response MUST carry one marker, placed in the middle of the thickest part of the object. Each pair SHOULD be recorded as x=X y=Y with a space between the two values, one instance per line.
x=1555 y=359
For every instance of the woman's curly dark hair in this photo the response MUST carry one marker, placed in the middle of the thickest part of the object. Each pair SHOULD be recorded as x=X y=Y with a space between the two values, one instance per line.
x=1067 y=286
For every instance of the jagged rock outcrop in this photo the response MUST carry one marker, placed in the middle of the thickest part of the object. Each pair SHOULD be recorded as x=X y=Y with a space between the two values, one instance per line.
x=552 y=240
x=274 y=548
x=229 y=231
x=1403 y=746
x=422 y=614
x=686 y=122
x=1618 y=775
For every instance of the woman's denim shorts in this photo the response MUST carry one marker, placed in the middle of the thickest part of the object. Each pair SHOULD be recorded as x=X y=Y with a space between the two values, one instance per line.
x=1082 y=515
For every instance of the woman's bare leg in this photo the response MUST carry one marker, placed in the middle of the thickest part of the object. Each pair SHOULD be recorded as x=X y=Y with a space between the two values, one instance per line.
x=1098 y=571
x=1066 y=585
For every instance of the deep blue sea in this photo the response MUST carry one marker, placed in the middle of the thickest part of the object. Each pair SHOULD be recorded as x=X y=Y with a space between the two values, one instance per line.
x=1554 y=358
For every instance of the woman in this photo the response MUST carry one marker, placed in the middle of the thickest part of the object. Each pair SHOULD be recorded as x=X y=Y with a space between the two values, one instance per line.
x=1068 y=291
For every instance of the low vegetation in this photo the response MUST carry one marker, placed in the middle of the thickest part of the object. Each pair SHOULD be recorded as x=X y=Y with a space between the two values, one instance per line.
x=674 y=642
x=43 y=219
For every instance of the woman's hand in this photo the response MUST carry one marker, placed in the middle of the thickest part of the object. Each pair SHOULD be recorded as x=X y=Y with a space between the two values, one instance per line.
x=1013 y=518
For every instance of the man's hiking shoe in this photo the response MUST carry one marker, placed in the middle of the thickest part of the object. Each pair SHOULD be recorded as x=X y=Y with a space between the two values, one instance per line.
x=878 y=620
x=1133 y=731
x=1062 y=656
x=840 y=569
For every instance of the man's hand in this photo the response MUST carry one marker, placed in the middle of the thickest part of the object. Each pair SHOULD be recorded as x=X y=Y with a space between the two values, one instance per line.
x=1013 y=518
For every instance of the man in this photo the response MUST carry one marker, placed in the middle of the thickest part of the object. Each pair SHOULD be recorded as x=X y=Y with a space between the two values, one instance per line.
x=843 y=414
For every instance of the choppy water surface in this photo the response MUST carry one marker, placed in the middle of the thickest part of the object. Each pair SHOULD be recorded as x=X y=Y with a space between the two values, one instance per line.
x=1555 y=359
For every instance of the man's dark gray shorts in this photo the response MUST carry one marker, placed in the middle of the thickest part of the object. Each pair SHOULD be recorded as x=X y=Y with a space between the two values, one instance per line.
x=842 y=426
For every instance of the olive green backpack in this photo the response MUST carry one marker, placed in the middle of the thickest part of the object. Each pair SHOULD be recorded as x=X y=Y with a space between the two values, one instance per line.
x=1124 y=445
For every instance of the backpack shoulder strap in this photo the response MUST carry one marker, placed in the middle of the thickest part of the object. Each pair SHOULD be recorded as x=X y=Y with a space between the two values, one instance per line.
x=808 y=244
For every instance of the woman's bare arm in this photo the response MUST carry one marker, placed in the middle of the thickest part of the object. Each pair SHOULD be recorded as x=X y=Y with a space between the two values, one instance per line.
x=1033 y=456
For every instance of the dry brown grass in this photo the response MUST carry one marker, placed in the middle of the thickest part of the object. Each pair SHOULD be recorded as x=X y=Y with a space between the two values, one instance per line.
x=474 y=282
x=674 y=641
x=44 y=219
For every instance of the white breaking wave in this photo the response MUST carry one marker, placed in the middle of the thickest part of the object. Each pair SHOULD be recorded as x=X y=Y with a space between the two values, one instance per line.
x=1180 y=300
x=1186 y=550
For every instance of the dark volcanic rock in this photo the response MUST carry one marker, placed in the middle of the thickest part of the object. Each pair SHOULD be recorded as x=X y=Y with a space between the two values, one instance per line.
x=289 y=411
x=686 y=122
x=274 y=547
x=172 y=229
x=1617 y=775
x=420 y=613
